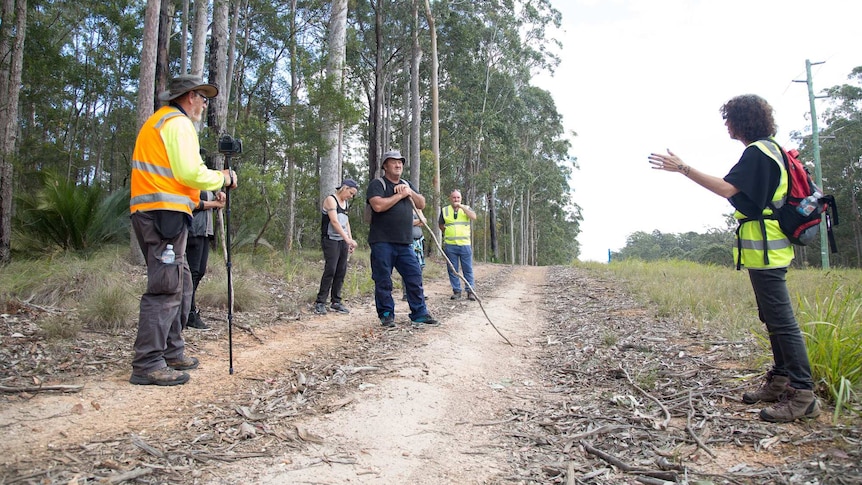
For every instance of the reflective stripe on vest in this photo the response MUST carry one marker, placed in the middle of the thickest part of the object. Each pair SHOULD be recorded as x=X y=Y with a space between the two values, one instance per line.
x=761 y=241
x=153 y=184
x=457 y=232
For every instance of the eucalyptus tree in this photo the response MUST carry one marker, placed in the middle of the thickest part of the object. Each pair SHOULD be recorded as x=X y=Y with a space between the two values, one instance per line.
x=13 y=31
x=330 y=164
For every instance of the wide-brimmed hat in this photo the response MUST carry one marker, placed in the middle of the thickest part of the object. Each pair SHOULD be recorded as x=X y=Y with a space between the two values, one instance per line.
x=184 y=83
x=348 y=183
x=391 y=154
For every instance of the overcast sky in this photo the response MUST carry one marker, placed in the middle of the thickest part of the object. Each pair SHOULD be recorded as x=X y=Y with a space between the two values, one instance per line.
x=639 y=76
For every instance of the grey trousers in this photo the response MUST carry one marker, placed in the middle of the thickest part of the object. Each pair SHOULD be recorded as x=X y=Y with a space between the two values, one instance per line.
x=789 y=354
x=165 y=305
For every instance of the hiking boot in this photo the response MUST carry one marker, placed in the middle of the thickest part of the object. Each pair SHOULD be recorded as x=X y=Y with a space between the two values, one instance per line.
x=162 y=377
x=186 y=363
x=387 y=320
x=771 y=390
x=471 y=296
x=455 y=296
x=196 y=322
x=426 y=320
x=796 y=404
x=338 y=307
x=320 y=308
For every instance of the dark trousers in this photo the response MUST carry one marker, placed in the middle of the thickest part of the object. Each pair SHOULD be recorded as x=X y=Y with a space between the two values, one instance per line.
x=197 y=254
x=385 y=257
x=334 y=269
x=165 y=306
x=775 y=310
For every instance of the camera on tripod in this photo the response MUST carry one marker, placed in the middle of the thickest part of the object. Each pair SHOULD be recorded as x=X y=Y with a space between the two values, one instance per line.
x=229 y=145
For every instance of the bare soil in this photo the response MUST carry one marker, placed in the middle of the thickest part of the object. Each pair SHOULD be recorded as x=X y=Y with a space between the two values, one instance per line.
x=572 y=382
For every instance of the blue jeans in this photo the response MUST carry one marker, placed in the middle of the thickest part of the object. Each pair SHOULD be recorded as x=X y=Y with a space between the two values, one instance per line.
x=459 y=256
x=775 y=310
x=385 y=257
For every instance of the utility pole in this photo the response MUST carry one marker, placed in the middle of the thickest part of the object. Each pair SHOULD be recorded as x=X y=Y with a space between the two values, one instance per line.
x=818 y=172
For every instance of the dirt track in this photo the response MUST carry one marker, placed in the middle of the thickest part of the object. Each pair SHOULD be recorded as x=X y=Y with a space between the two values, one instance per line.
x=336 y=399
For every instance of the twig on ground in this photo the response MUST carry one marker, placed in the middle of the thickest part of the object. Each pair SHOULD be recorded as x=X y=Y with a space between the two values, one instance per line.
x=660 y=404
x=58 y=387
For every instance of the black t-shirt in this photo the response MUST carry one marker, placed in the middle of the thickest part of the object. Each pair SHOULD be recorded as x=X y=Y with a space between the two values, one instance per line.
x=756 y=175
x=396 y=224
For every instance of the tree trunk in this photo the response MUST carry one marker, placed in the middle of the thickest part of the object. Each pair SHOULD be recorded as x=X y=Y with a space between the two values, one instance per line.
x=330 y=163
x=146 y=90
x=376 y=103
x=435 y=116
x=289 y=237
x=199 y=37
x=12 y=33
x=415 y=105
x=217 y=109
x=492 y=225
x=166 y=14
x=184 y=38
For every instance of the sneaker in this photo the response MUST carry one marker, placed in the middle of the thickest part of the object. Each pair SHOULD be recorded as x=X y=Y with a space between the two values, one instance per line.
x=196 y=322
x=387 y=320
x=426 y=320
x=186 y=363
x=162 y=377
x=338 y=307
x=320 y=308
x=796 y=404
x=471 y=296
x=455 y=296
x=771 y=390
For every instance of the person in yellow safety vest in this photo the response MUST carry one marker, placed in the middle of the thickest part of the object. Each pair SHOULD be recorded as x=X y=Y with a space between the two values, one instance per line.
x=757 y=179
x=168 y=175
x=454 y=221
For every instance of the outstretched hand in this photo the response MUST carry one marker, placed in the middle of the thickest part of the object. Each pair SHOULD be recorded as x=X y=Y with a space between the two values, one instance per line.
x=669 y=162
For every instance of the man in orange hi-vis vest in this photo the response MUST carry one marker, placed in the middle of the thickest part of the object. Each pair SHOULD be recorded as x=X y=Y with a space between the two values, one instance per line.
x=167 y=177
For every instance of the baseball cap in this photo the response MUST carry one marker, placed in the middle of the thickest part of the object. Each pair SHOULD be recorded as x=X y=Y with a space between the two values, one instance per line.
x=391 y=154
x=348 y=183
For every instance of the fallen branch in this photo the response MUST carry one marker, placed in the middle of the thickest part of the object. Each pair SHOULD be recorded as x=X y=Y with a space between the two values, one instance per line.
x=127 y=476
x=58 y=387
x=700 y=443
x=660 y=404
x=662 y=475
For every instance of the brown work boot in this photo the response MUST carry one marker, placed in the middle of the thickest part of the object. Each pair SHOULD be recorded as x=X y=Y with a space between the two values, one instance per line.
x=771 y=390
x=162 y=377
x=797 y=404
x=185 y=363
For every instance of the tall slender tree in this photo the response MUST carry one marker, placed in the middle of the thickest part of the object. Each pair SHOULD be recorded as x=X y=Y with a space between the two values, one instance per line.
x=330 y=163
x=13 y=30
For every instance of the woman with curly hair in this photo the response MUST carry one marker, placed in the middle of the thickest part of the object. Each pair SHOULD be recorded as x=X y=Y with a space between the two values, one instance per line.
x=753 y=186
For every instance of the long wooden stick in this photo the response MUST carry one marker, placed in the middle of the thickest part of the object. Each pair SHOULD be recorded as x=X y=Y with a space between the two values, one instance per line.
x=449 y=263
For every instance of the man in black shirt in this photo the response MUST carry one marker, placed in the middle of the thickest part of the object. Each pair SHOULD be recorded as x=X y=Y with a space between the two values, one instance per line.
x=391 y=239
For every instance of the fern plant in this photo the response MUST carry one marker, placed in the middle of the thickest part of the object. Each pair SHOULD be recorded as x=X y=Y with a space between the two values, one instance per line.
x=70 y=216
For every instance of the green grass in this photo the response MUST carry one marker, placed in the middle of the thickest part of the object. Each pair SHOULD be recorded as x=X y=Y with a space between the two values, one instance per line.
x=828 y=308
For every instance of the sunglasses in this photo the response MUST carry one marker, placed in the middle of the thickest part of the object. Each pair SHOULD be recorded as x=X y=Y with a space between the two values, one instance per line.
x=205 y=98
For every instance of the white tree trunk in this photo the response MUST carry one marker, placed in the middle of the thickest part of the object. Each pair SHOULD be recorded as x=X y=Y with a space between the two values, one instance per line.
x=435 y=116
x=199 y=37
x=415 y=105
x=330 y=163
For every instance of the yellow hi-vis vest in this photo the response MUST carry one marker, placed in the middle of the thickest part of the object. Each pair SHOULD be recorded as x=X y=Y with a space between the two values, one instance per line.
x=153 y=184
x=457 y=229
x=760 y=242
